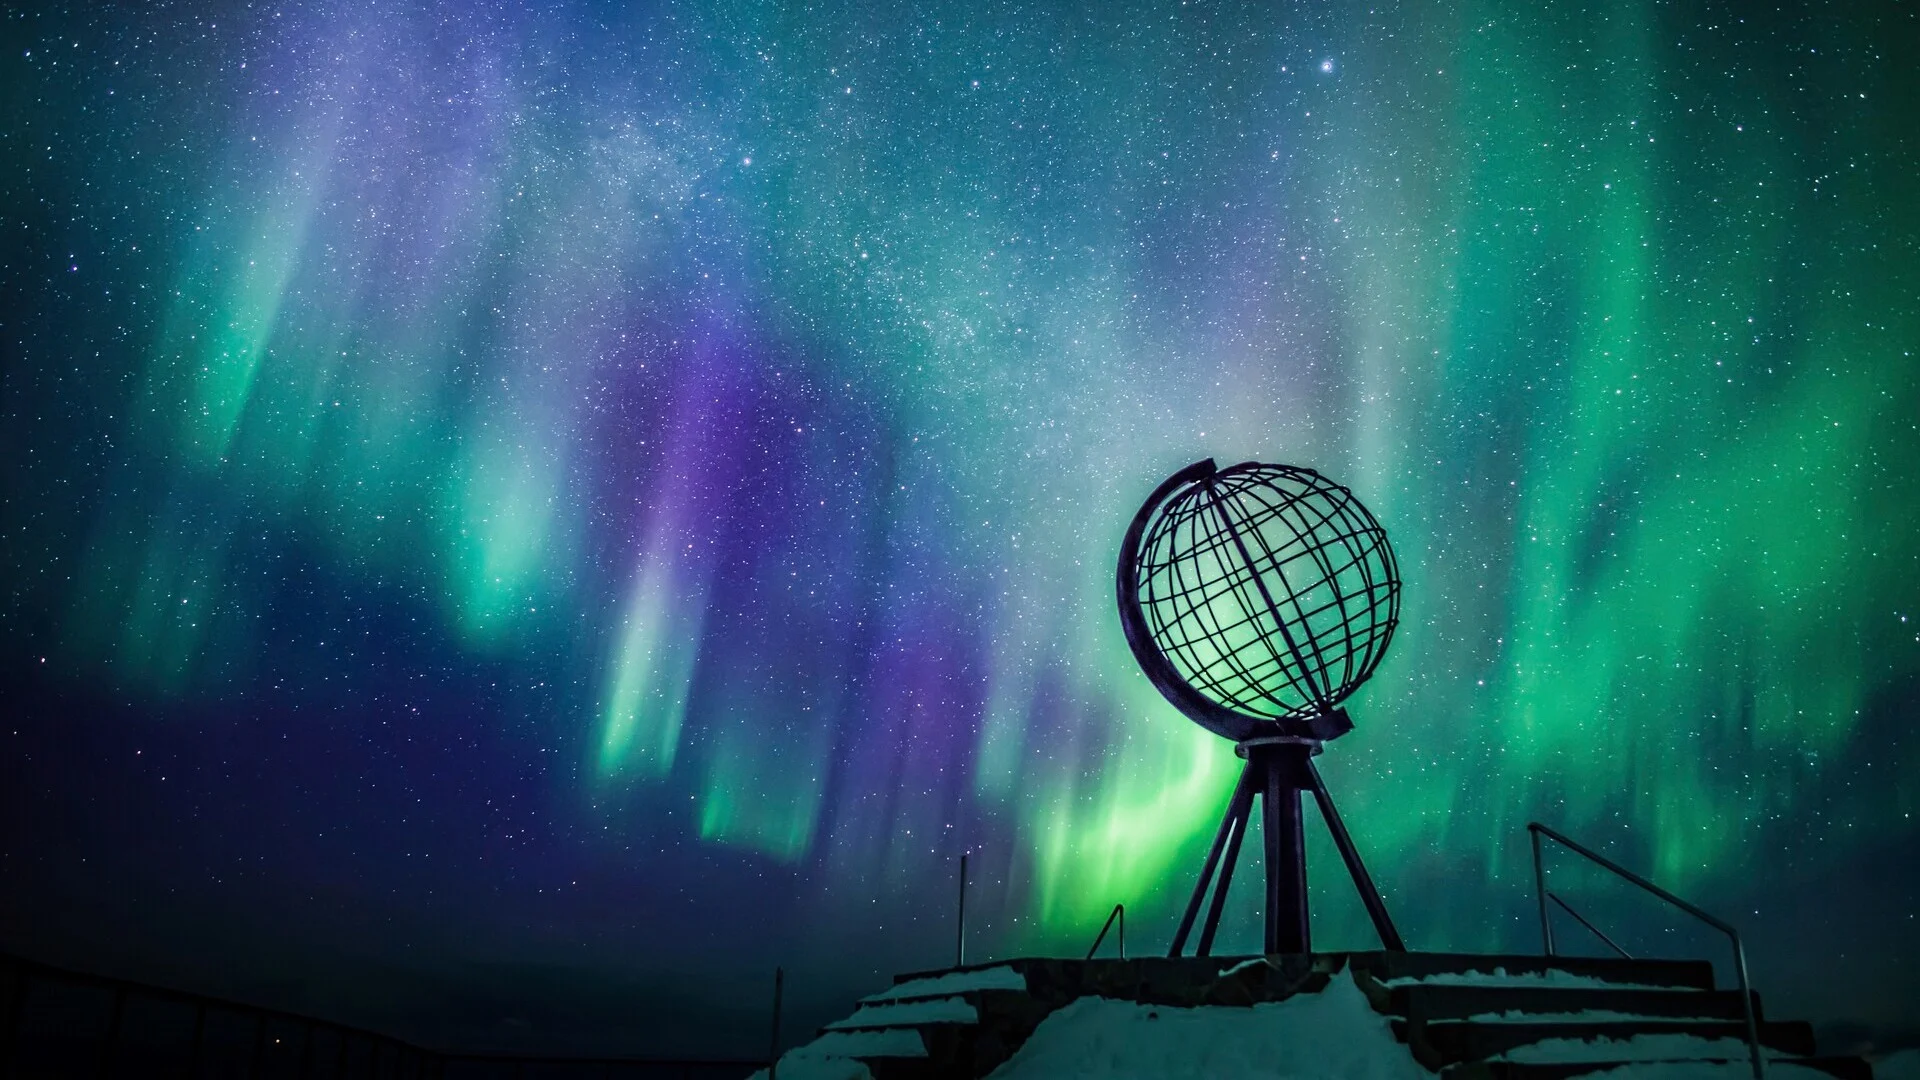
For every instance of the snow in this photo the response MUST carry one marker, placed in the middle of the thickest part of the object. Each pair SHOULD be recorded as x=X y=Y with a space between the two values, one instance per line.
x=956 y=982
x=950 y=1010
x=1332 y=1035
x=891 y=1042
x=1584 y=1016
x=1663 y=1047
x=1707 y=1070
x=831 y=1056
x=812 y=1068
x=1904 y=1065
x=1499 y=977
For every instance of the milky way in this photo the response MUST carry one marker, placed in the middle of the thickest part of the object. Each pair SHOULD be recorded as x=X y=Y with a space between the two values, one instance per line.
x=624 y=492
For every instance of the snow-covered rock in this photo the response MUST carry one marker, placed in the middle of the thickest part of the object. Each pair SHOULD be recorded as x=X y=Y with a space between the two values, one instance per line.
x=1332 y=1034
x=1904 y=1065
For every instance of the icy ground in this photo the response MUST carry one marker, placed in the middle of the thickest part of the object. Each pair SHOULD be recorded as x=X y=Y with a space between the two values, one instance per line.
x=1904 y=1065
x=1332 y=1035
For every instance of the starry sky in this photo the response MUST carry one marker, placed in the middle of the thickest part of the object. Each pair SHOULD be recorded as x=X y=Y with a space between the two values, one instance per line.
x=519 y=518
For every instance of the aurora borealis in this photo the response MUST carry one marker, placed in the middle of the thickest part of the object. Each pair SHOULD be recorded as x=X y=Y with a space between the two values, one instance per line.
x=564 y=502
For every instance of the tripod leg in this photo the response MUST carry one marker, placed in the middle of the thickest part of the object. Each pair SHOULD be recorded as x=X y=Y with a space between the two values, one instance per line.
x=1369 y=894
x=1270 y=852
x=1206 y=869
x=1287 y=856
x=1289 y=884
x=1241 y=812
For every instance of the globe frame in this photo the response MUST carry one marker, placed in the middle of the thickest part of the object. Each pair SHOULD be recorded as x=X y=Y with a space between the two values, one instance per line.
x=1316 y=712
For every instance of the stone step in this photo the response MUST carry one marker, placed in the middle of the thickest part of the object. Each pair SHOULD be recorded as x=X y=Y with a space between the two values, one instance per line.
x=1154 y=980
x=926 y=986
x=1393 y=967
x=1428 y=1001
x=914 y=1013
x=1448 y=1042
x=1841 y=1068
x=998 y=1022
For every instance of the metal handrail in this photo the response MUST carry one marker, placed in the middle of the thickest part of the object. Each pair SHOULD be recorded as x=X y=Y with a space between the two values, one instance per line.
x=1536 y=829
x=1582 y=920
x=1119 y=912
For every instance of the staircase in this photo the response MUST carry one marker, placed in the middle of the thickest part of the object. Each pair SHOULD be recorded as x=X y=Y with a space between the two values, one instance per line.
x=963 y=1023
x=1513 y=1017
x=1465 y=1017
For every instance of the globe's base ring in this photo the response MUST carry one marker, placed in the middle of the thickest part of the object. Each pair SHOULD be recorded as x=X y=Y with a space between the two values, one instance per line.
x=1247 y=746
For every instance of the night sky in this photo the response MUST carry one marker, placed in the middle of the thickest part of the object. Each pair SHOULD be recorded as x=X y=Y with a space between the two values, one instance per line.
x=517 y=519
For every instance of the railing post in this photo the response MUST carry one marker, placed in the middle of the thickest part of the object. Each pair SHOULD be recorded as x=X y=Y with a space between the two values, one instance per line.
x=1746 y=1006
x=1540 y=892
x=112 y=1035
x=773 y=1049
x=1733 y=936
x=960 y=932
x=1594 y=930
x=1119 y=912
x=199 y=1040
x=16 y=1009
x=259 y=1063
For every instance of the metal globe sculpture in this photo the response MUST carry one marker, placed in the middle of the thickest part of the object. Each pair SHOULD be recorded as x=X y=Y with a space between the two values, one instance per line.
x=1257 y=598
x=1269 y=590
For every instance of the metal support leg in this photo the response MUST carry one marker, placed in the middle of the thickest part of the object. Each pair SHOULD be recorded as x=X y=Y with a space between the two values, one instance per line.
x=1207 y=868
x=1240 y=813
x=1362 y=881
x=1270 y=832
x=1295 y=933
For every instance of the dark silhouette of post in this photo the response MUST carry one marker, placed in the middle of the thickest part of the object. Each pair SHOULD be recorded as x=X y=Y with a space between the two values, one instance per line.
x=773 y=1048
x=960 y=930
